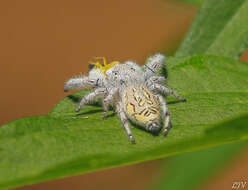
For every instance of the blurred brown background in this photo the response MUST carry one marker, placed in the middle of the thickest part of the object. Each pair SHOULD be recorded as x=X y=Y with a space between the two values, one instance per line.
x=43 y=43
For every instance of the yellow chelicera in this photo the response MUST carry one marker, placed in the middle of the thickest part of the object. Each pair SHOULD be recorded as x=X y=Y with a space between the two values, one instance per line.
x=103 y=66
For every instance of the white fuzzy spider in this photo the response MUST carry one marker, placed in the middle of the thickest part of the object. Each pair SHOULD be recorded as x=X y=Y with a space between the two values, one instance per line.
x=133 y=91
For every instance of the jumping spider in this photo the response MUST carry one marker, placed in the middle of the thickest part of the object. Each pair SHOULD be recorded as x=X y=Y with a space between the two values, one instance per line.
x=133 y=91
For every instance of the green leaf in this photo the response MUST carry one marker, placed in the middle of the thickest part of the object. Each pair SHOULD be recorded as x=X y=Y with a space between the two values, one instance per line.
x=219 y=33
x=66 y=143
x=220 y=28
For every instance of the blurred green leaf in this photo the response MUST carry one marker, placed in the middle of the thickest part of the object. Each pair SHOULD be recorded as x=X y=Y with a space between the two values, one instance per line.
x=220 y=28
x=193 y=2
x=66 y=143
x=188 y=170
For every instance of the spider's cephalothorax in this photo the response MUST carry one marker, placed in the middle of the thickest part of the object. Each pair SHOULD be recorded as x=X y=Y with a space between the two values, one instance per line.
x=133 y=91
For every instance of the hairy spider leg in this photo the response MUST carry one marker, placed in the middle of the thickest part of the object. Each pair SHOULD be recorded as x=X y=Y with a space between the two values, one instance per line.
x=163 y=90
x=155 y=79
x=166 y=114
x=124 y=122
x=79 y=83
x=90 y=97
x=153 y=64
x=106 y=101
x=158 y=79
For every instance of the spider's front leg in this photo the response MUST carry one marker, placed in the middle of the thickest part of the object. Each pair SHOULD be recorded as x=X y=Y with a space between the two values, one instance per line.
x=89 y=97
x=153 y=65
x=166 y=115
x=79 y=83
x=125 y=122
x=107 y=100
x=164 y=90
x=94 y=80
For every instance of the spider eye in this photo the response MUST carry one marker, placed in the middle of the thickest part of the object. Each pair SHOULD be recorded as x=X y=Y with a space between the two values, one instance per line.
x=115 y=72
x=132 y=69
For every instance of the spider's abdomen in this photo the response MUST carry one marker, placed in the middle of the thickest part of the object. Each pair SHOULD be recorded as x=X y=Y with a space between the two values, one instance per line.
x=140 y=105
